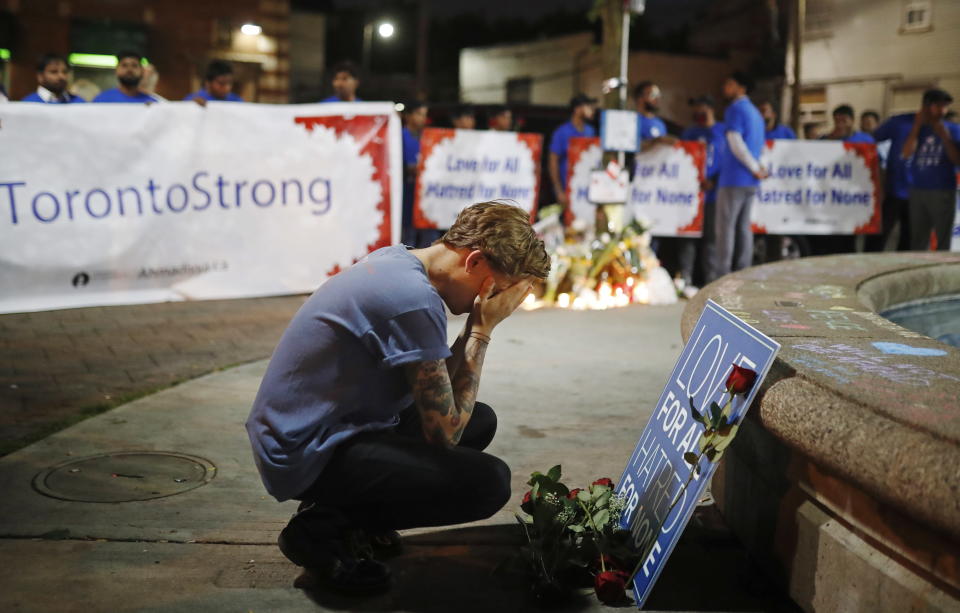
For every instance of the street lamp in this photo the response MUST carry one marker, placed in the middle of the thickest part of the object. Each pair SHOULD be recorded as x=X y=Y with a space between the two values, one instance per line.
x=385 y=30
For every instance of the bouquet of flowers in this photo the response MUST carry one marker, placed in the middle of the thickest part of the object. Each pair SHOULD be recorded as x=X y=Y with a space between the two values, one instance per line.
x=574 y=538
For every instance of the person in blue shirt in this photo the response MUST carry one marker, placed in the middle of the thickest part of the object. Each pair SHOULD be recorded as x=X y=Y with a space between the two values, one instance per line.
x=217 y=85
x=932 y=152
x=53 y=73
x=869 y=122
x=773 y=129
x=129 y=74
x=843 y=121
x=366 y=415
x=843 y=117
x=414 y=121
x=651 y=130
x=346 y=80
x=892 y=134
x=739 y=177
x=707 y=130
x=582 y=109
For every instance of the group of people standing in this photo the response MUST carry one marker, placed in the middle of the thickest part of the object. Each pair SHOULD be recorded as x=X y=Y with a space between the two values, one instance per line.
x=918 y=152
x=133 y=82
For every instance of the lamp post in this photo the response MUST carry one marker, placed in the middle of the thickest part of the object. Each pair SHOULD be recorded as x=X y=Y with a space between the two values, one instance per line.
x=385 y=30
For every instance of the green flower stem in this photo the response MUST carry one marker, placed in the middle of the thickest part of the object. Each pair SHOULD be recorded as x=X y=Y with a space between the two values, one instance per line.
x=603 y=567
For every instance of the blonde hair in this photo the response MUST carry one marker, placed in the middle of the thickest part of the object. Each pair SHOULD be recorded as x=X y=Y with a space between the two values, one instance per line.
x=504 y=235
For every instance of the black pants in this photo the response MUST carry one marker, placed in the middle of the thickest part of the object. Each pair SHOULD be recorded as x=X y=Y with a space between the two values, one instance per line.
x=892 y=210
x=394 y=479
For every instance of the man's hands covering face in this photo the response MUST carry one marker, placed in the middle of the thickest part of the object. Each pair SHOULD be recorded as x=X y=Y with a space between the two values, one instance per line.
x=490 y=308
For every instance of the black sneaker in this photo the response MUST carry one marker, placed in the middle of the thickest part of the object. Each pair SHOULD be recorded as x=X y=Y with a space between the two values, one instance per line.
x=344 y=564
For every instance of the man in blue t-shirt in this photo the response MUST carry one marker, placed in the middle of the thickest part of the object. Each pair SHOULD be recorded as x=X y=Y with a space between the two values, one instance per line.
x=773 y=129
x=365 y=414
x=129 y=74
x=414 y=121
x=346 y=80
x=651 y=130
x=932 y=155
x=740 y=175
x=582 y=109
x=217 y=85
x=843 y=117
x=892 y=134
x=707 y=130
x=53 y=73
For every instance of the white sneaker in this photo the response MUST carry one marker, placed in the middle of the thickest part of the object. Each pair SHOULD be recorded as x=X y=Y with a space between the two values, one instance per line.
x=690 y=291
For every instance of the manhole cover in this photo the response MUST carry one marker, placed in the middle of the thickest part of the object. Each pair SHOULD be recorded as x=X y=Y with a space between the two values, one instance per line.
x=125 y=476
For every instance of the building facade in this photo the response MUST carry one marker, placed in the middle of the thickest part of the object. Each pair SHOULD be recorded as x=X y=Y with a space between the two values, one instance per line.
x=178 y=38
x=551 y=71
x=876 y=54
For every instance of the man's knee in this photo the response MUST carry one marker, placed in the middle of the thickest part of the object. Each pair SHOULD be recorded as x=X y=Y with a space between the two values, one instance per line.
x=499 y=485
x=487 y=486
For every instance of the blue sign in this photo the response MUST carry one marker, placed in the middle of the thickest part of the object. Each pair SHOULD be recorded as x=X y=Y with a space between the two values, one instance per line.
x=660 y=487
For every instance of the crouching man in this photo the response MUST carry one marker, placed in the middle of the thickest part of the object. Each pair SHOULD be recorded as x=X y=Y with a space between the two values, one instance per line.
x=367 y=417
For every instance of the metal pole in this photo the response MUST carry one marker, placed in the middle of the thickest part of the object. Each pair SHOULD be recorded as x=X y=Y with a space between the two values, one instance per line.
x=624 y=57
x=624 y=54
x=799 y=25
x=367 y=47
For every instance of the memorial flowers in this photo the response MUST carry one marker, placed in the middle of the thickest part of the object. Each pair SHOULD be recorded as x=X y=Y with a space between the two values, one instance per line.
x=613 y=269
x=574 y=538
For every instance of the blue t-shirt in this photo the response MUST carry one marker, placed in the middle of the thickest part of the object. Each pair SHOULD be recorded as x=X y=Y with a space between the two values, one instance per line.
x=714 y=138
x=115 y=95
x=856 y=137
x=203 y=93
x=743 y=118
x=781 y=132
x=335 y=98
x=336 y=371
x=930 y=168
x=895 y=130
x=649 y=127
x=560 y=141
x=411 y=147
x=35 y=97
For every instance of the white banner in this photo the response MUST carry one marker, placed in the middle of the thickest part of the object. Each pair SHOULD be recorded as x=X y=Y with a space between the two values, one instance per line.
x=121 y=204
x=460 y=167
x=818 y=187
x=584 y=155
x=665 y=192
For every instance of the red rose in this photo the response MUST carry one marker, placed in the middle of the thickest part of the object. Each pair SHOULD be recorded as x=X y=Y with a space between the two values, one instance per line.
x=573 y=493
x=611 y=586
x=608 y=562
x=604 y=481
x=740 y=380
x=527 y=505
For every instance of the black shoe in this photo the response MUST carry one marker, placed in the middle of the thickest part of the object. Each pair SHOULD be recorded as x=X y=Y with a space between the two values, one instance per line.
x=344 y=564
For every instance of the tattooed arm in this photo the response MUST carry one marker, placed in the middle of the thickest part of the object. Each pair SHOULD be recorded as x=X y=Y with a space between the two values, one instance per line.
x=446 y=406
x=445 y=391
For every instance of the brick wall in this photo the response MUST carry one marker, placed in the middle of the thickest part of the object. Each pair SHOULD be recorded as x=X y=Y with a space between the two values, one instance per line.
x=182 y=38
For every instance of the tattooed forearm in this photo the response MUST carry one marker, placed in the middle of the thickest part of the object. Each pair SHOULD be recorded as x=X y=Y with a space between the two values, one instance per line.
x=432 y=390
x=445 y=407
x=467 y=378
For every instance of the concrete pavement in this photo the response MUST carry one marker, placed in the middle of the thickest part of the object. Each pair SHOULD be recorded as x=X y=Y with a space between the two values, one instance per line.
x=574 y=388
x=57 y=367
